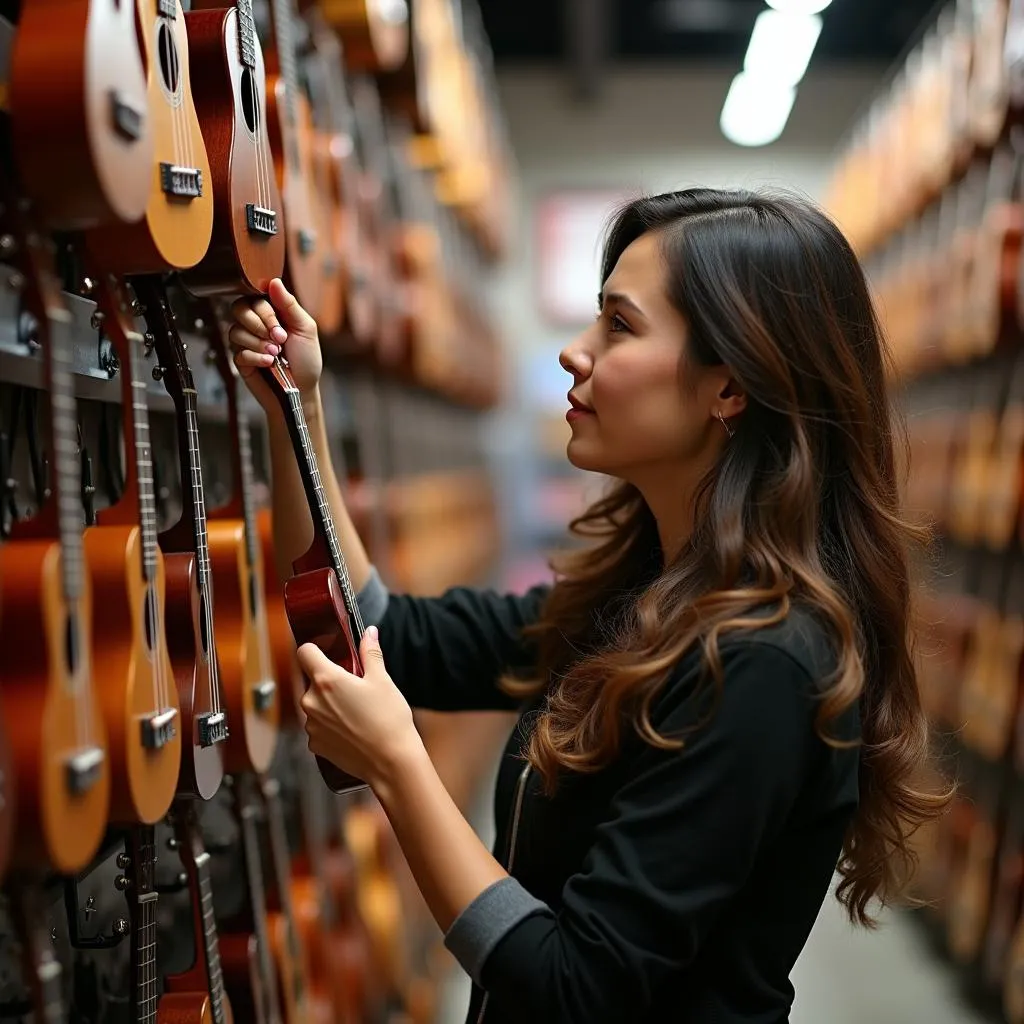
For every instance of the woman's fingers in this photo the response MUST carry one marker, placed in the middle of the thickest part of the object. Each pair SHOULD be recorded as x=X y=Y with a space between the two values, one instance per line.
x=257 y=316
x=294 y=316
x=240 y=338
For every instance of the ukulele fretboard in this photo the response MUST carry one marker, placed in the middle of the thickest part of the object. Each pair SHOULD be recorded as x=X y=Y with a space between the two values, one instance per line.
x=147 y=992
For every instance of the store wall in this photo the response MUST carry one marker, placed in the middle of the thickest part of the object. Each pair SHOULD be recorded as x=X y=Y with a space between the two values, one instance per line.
x=651 y=129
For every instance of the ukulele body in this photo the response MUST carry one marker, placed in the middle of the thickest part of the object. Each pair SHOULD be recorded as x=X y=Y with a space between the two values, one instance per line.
x=189 y=1008
x=128 y=667
x=202 y=767
x=239 y=962
x=241 y=164
x=293 y=149
x=78 y=102
x=316 y=613
x=292 y=965
x=175 y=231
x=246 y=674
x=55 y=710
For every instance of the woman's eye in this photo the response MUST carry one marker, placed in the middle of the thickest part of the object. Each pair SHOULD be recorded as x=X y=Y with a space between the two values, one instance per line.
x=617 y=324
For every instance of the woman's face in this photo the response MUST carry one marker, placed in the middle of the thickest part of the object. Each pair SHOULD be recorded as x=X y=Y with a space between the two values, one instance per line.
x=638 y=409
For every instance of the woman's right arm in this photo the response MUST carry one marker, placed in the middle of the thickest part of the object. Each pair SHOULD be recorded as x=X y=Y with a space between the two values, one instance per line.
x=445 y=653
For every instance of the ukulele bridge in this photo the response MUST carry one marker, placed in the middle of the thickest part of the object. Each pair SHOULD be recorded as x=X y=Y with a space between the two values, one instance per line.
x=213 y=728
x=181 y=182
x=159 y=729
x=260 y=220
x=127 y=117
x=82 y=769
x=263 y=695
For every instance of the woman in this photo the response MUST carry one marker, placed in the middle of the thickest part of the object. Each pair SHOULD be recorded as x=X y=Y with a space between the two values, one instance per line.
x=719 y=705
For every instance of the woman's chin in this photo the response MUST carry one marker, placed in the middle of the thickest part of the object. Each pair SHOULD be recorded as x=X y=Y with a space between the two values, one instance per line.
x=583 y=456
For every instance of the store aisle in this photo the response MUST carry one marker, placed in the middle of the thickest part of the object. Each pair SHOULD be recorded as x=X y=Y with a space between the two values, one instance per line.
x=850 y=976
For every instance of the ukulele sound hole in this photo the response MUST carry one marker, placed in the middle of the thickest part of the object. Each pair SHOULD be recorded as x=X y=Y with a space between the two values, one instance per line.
x=253 y=596
x=149 y=620
x=204 y=627
x=249 y=108
x=170 y=69
x=72 y=644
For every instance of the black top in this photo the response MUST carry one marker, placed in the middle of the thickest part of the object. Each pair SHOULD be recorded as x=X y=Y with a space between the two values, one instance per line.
x=682 y=884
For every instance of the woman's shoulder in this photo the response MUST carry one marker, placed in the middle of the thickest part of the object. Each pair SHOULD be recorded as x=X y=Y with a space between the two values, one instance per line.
x=801 y=636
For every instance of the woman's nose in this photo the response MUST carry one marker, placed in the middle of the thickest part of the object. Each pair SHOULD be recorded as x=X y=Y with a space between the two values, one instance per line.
x=576 y=360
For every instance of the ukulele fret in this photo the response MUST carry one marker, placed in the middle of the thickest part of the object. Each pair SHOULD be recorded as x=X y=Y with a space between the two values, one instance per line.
x=243 y=438
x=142 y=863
x=144 y=479
x=167 y=9
x=246 y=34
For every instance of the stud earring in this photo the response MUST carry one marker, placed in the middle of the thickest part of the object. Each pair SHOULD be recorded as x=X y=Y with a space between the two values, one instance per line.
x=728 y=429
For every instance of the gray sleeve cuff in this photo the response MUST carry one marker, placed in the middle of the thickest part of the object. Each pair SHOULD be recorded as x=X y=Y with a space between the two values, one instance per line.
x=373 y=599
x=487 y=920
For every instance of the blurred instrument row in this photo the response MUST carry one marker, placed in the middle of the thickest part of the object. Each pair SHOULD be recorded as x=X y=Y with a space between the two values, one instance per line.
x=155 y=164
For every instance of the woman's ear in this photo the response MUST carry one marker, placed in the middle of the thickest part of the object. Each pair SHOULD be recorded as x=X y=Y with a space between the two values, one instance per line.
x=732 y=399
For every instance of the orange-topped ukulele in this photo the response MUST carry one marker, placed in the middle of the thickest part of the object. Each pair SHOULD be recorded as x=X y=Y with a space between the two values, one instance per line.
x=175 y=231
x=135 y=678
x=59 y=745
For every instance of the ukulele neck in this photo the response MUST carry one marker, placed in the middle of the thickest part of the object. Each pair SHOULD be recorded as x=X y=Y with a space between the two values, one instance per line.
x=146 y=995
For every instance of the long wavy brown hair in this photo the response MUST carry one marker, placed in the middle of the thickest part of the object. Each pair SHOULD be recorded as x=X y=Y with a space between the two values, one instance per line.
x=803 y=506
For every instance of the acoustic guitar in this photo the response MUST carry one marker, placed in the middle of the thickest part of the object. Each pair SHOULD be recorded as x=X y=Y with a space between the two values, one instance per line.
x=319 y=599
x=133 y=669
x=175 y=231
x=61 y=765
x=249 y=970
x=79 y=118
x=247 y=670
x=246 y=249
x=197 y=995
x=191 y=638
x=293 y=144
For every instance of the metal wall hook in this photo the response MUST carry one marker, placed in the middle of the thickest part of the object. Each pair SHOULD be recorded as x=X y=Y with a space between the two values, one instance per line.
x=71 y=907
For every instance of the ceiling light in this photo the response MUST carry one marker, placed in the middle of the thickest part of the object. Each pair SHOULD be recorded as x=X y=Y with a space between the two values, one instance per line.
x=756 y=110
x=781 y=45
x=799 y=6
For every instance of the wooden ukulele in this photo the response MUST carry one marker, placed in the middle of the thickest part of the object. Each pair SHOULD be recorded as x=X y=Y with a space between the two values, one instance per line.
x=59 y=746
x=78 y=104
x=197 y=996
x=243 y=642
x=337 y=154
x=290 y=957
x=1004 y=510
x=282 y=644
x=375 y=34
x=139 y=865
x=246 y=249
x=175 y=231
x=319 y=599
x=250 y=977
x=293 y=143
x=324 y=896
x=1006 y=899
x=135 y=679
x=191 y=638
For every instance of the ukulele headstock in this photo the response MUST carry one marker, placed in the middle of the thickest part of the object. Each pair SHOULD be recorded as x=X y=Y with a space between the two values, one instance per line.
x=175 y=369
x=279 y=376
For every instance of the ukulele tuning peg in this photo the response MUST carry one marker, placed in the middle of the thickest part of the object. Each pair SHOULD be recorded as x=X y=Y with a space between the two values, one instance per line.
x=137 y=308
x=123 y=861
x=96 y=320
x=121 y=883
x=158 y=373
x=7 y=245
x=87 y=288
x=149 y=340
x=172 y=843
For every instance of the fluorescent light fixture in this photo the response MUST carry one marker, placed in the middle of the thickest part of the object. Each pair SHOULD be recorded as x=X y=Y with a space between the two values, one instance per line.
x=756 y=110
x=781 y=45
x=799 y=6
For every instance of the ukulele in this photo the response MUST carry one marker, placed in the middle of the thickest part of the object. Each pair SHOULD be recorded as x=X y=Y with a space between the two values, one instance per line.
x=59 y=746
x=243 y=641
x=324 y=897
x=292 y=142
x=337 y=153
x=197 y=996
x=78 y=103
x=249 y=971
x=42 y=969
x=191 y=638
x=375 y=34
x=989 y=90
x=282 y=645
x=132 y=666
x=285 y=939
x=228 y=85
x=175 y=230
x=319 y=599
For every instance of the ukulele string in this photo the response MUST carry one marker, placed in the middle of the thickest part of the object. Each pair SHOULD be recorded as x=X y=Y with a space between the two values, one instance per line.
x=166 y=44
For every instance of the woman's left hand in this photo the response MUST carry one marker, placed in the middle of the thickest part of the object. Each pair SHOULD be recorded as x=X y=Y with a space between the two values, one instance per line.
x=362 y=724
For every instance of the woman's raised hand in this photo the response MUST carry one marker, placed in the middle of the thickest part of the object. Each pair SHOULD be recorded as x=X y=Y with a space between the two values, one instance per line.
x=264 y=328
